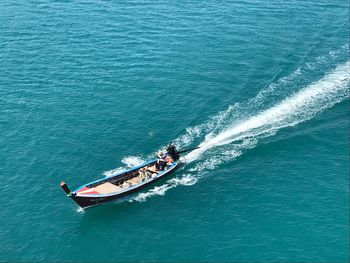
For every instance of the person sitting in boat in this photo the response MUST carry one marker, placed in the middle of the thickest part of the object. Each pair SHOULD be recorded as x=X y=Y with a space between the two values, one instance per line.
x=125 y=184
x=143 y=173
x=161 y=162
x=148 y=172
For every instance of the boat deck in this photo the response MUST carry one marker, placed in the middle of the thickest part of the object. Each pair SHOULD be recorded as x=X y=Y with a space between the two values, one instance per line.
x=108 y=188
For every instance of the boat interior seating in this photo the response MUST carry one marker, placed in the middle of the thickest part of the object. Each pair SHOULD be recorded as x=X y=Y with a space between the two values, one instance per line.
x=107 y=188
x=135 y=180
x=152 y=169
x=117 y=185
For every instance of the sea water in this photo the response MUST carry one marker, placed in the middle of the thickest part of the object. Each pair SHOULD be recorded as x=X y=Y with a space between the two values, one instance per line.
x=91 y=88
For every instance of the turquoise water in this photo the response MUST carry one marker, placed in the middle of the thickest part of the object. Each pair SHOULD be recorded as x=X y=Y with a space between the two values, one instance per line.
x=88 y=88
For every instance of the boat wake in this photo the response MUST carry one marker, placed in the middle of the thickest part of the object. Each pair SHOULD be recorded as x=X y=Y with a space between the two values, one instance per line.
x=299 y=107
x=230 y=133
x=129 y=162
x=160 y=190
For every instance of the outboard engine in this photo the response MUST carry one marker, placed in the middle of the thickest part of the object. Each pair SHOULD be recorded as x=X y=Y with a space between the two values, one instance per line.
x=171 y=150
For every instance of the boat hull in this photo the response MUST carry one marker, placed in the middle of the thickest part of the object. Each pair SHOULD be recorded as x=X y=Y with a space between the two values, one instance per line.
x=90 y=201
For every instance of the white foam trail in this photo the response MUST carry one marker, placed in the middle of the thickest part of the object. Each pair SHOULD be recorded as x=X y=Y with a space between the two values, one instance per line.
x=80 y=210
x=303 y=105
x=185 y=180
x=129 y=161
x=275 y=91
x=195 y=132
x=224 y=155
x=114 y=171
x=132 y=161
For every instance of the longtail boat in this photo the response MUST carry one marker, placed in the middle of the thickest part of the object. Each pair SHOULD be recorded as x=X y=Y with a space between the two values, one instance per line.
x=121 y=184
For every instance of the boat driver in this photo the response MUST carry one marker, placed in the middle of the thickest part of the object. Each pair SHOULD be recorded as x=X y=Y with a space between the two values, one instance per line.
x=172 y=152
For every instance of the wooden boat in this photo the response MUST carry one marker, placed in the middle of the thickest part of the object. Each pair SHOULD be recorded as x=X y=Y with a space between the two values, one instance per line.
x=119 y=185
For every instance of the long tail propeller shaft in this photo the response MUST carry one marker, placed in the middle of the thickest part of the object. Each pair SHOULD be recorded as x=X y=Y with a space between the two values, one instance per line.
x=188 y=150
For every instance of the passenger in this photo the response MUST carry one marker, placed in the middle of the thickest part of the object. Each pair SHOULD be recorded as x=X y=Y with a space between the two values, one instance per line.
x=161 y=162
x=143 y=173
x=125 y=184
x=148 y=173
